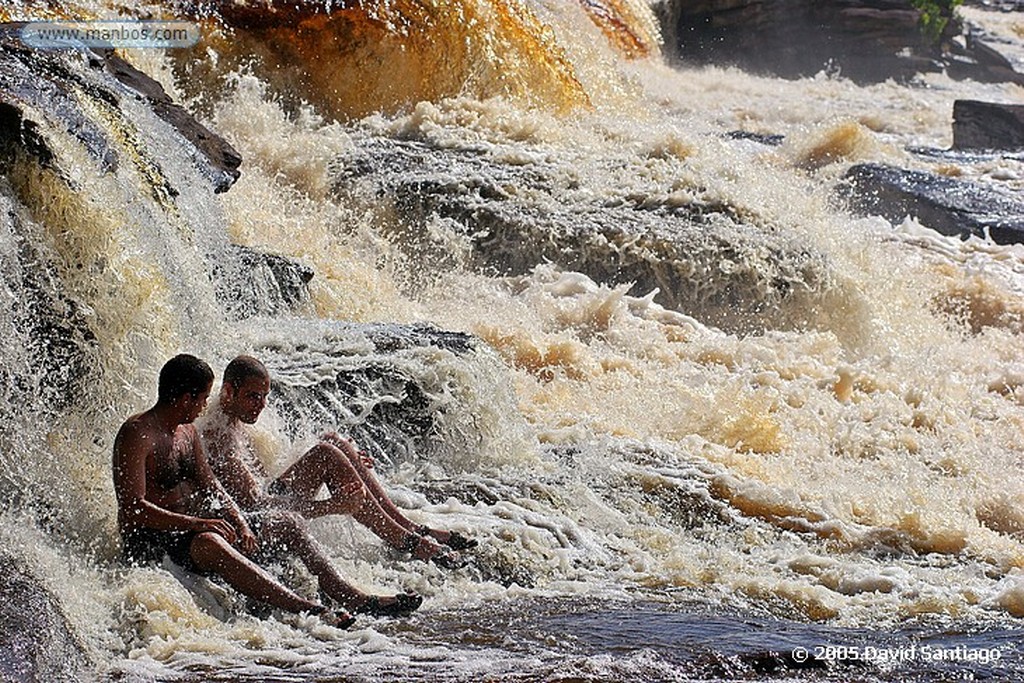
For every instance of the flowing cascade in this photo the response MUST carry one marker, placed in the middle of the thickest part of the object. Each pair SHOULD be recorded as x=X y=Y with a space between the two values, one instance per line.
x=613 y=320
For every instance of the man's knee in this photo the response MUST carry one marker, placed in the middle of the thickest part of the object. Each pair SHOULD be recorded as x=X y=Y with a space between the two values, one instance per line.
x=339 y=443
x=283 y=523
x=335 y=458
x=209 y=550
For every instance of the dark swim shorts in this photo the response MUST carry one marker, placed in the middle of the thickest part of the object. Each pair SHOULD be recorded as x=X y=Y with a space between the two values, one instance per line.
x=148 y=546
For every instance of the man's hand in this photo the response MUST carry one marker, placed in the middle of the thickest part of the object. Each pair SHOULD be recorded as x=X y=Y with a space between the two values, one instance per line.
x=247 y=541
x=366 y=459
x=217 y=526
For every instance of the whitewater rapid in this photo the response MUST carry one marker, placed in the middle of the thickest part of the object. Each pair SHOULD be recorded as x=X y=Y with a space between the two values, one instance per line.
x=818 y=421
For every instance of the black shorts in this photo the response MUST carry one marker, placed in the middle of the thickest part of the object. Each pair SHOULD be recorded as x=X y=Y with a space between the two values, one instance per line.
x=148 y=546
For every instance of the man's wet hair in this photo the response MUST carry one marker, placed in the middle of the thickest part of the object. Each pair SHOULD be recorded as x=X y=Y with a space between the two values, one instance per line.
x=242 y=369
x=183 y=374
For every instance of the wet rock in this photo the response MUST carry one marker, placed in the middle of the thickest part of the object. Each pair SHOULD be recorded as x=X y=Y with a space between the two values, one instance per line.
x=250 y=282
x=370 y=387
x=865 y=40
x=53 y=328
x=38 y=83
x=768 y=140
x=36 y=641
x=974 y=58
x=987 y=125
x=952 y=207
x=705 y=258
x=47 y=85
x=218 y=160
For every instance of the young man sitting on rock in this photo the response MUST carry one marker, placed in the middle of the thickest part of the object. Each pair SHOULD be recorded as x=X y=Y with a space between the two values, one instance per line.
x=334 y=461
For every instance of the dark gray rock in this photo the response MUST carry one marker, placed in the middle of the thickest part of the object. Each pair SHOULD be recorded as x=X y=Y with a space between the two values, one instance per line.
x=250 y=282
x=949 y=206
x=47 y=83
x=987 y=125
x=864 y=40
x=373 y=394
x=222 y=160
x=705 y=257
x=37 y=644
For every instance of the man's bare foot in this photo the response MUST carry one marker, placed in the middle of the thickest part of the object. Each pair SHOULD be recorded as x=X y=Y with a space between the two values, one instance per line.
x=426 y=549
x=453 y=539
x=342 y=620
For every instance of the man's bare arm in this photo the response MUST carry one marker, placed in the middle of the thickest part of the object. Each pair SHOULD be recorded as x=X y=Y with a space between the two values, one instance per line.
x=207 y=480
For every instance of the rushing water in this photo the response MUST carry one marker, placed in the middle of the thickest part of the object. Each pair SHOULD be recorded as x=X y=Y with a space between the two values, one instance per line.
x=798 y=433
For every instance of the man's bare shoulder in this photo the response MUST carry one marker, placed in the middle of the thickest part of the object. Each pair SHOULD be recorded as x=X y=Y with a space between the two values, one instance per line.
x=136 y=438
x=135 y=427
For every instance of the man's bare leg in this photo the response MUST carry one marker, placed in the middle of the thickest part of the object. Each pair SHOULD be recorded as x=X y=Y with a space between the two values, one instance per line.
x=327 y=464
x=377 y=492
x=285 y=529
x=211 y=552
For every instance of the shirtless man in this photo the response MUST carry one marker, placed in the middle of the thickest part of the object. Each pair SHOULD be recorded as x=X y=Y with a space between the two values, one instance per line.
x=334 y=462
x=168 y=500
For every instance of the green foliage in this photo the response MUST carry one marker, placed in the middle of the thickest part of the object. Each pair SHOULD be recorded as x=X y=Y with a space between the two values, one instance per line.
x=935 y=15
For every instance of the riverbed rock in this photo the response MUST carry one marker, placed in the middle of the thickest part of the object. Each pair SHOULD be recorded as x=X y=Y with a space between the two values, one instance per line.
x=251 y=282
x=706 y=258
x=947 y=205
x=47 y=85
x=367 y=380
x=51 y=328
x=987 y=125
x=37 y=643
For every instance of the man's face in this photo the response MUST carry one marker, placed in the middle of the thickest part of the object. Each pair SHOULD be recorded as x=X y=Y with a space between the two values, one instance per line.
x=248 y=400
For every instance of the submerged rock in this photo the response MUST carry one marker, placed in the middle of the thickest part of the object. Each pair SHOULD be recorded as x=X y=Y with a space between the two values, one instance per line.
x=370 y=382
x=256 y=282
x=52 y=328
x=949 y=206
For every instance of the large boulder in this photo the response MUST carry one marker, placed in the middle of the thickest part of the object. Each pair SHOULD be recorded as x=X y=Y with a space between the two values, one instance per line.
x=947 y=205
x=36 y=641
x=987 y=125
x=369 y=382
x=707 y=258
x=864 y=40
x=220 y=159
x=251 y=282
